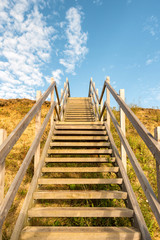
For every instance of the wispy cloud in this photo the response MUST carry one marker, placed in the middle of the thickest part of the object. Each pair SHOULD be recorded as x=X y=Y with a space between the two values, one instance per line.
x=24 y=46
x=152 y=26
x=75 y=48
x=57 y=75
x=129 y=1
x=153 y=59
x=98 y=2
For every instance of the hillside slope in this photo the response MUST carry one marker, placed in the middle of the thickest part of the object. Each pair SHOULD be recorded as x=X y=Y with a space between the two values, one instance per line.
x=12 y=111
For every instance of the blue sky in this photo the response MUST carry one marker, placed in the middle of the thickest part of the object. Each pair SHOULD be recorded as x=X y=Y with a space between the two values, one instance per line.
x=80 y=39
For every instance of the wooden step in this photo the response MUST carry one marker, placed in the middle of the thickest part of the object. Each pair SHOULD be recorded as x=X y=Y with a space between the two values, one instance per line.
x=50 y=181
x=80 y=144
x=80 y=212
x=77 y=127
x=80 y=138
x=79 y=233
x=80 y=169
x=98 y=123
x=80 y=151
x=74 y=194
x=82 y=132
x=82 y=160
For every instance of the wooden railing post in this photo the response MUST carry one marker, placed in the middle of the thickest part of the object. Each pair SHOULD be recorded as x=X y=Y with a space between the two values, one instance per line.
x=108 y=102
x=123 y=127
x=93 y=102
x=97 y=103
x=3 y=136
x=157 y=137
x=101 y=109
x=61 y=105
x=67 y=87
x=38 y=126
x=64 y=100
x=52 y=101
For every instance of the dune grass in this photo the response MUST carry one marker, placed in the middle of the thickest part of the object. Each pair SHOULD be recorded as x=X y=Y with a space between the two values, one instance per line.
x=12 y=111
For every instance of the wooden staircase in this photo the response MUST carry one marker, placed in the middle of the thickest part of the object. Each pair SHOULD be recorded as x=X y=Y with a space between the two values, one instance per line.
x=81 y=193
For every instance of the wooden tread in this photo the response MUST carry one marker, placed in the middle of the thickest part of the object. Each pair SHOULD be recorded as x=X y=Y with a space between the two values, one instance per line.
x=80 y=212
x=80 y=169
x=80 y=138
x=80 y=152
x=79 y=233
x=77 y=127
x=83 y=160
x=80 y=194
x=82 y=132
x=53 y=181
x=80 y=144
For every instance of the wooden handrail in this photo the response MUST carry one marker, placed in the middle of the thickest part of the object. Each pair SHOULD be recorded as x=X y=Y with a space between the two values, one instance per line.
x=6 y=147
x=147 y=137
x=152 y=199
x=91 y=84
x=137 y=212
x=15 y=135
x=150 y=141
x=8 y=200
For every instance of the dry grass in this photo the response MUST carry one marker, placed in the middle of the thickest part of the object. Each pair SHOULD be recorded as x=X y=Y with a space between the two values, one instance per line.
x=12 y=111
x=151 y=119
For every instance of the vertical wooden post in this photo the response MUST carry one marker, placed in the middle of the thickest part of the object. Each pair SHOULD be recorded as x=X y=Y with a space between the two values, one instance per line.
x=123 y=127
x=67 y=87
x=3 y=136
x=94 y=101
x=157 y=137
x=64 y=101
x=61 y=105
x=52 y=101
x=101 y=109
x=38 y=126
x=97 y=103
x=108 y=102
x=91 y=87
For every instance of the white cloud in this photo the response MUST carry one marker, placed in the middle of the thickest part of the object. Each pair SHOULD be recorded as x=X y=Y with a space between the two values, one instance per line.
x=155 y=58
x=75 y=49
x=24 y=45
x=98 y=2
x=57 y=75
x=152 y=26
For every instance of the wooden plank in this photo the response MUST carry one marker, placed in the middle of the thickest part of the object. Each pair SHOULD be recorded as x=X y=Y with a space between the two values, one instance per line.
x=80 y=151
x=80 y=144
x=78 y=233
x=77 y=127
x=80 y=138
x=79 y=123
x=75 y=159
x=80 y=169
x=138 y=217
x=76 y=132
x=70 y=194
x=50 y=181
x=6 y=147
x=80 y=212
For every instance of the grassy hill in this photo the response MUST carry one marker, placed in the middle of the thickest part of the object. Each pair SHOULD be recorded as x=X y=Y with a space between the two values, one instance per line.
x=12 y=111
